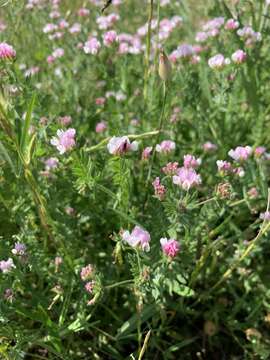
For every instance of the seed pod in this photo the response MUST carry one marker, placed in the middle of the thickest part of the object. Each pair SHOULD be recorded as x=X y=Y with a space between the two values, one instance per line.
x=165 y=68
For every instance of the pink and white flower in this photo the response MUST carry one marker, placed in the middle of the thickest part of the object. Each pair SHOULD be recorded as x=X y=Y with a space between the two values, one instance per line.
x=165 y=147
x=121 y=145
x=186 y=178
x=170 y=247
x=65 y=140
x=6 y=51
x=137 y=238
x=240 y=153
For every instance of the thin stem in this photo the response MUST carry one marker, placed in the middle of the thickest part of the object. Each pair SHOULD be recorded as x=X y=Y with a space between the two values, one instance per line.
x=148 y=49
x=120 y=283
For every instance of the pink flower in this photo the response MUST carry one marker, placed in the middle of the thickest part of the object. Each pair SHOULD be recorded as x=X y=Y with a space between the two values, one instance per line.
x=51 y=163
x=160 y=189
x=259 y=151
x=58 y=261
x=100 y=101
x=75 y=28
x=191 y=162
x=208 y=146
x=224 y=166
x=101 y=126
x=239 y=57
x=171 y=168
x=92 y=46
x=253 y=193
x=87 y=272
x=147 y=153
x=57 y=53
x=50 y=59
x=231 y=24
x=19 y=249
x=186 y=178
x=69 y=210
x=109 y=38
x=65 y=140
x=170 y=247
x=65 y=120
x=240 y=153
x=265 y=216
x=48 y=28
x=7 y=265
x=89 y=286
x=121 y=145
x=83 y=12
x=63 y=24
x=218 y=62
x=165 y=147
x=138 y=237
x=6 y=51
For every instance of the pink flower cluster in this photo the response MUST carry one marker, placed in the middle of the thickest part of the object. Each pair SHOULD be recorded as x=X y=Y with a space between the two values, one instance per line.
x=186 y=178
x=218 y=62
x=165 y=147
x=240 y=153
x=137 y=238
x=121 y=145
x=160 y=189
x=7 y=265
x=65 y=140
x=6 y=51
x=170 y=247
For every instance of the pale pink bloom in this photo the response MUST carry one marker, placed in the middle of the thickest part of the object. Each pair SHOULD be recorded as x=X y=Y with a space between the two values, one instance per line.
x=58 y=261
x=54 y=14
x=9 y=295
x=87 y=272
x=160 y=189
x=83 y=12
x=69 y=210
x=75 y=28
x=100 y=101
x=185 y=51
x=31 y=71
x=92 y=46
x=231 y=24
x=218 y=62
x=138 y=237
x=65 y=140
x=109 y=38
x=259 y=151
x=165 y=147
x=171 y=168
x=212 y=24
x=7 y=265
x=51 y=163
x=105 y=22
x=123 y=48
x=65 y=120
x=201 y=36
x=253 y=193
x=195 y=59
x=224 y=166
x=57 y=35
x=48 y=28
x=240 y=153
x=186 y=178
x=57 y=53
x=147 y=152
x=63 y=24
x=265 y=216
x=101 y=127
x=120 y=96
x=50 y=59
x=170 y=247
x=239 y=57
x=19 y=249
x=89 y=286
x=134 y=122
x=6 y=51
x=121 y=145
x=239 y=171
x=208 y=146
x=191 y=162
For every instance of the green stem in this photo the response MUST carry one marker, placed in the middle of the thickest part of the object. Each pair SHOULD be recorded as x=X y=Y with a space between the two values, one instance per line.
x=148 y=49
x=120 y=283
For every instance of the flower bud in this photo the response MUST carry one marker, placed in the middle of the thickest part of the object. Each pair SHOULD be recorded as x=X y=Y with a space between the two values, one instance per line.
x=165 y=68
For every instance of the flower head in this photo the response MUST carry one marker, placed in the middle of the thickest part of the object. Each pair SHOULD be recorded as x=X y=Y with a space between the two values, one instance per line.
x=101 y=126
x=138 y=237
x=165 y=68
x=218 y=62
x=87 y=272
x=165 y=147
x=65 y=140
x=7 y=265
x=208 y=146
x=170 y=168
x=121 y=145
x=19 y=249
x=239 y=56
x=160 y=189
x=6 y=51
x=191 y=162
x=146 y=152
x=186 y=178
x=170 y=247
x=240 y=153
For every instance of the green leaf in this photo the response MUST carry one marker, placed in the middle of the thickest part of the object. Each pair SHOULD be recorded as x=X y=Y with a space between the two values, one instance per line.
x=27 y=123
x=181 y=290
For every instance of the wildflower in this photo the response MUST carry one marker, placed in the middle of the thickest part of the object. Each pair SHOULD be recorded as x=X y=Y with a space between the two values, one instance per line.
x=218 y=62
x=83 y=12
x=92 y=46
x=101 y=126
x=160 y=189
x=51 y=163
x=239 y=57
x=223 y=166
x=121 y=145
x=186 y=178
x=259 y=151
x=170 y=168
x=208 y=146
x=138 y=237
x=87 y=272
x=231 y=24
x=100 y=101
x=253 y=193
x=240 y=153
x=75 y=28
x=7 y=265
x=224 y=190
x=50 y=59
x=265 y=216
x=19 y=249
x=69 y=210
x=57 y=262
x=9 y=295
x=164 y=67
x=165 y=147
x=6 y=51
x=191 y=162
x=147 y=152
x=89 y=286
x=170 y=247
x=65 y=140
x=48 y=28
x=109 y=38
x=57 y=53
